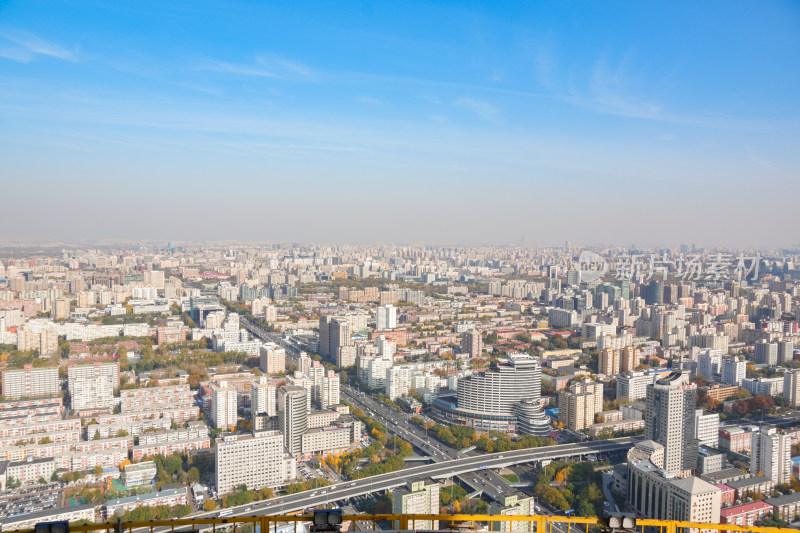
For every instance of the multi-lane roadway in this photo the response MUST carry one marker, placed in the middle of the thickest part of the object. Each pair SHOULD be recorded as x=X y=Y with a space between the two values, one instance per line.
x=441 y=470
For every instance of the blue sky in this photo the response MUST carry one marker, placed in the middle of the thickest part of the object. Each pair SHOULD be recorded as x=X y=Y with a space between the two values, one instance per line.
x=597 y=122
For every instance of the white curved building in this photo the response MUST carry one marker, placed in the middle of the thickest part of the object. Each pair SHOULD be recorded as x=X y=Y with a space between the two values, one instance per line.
x=503 y=398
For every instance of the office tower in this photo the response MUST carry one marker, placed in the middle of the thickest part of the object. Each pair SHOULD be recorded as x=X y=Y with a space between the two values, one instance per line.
x=654 y=293
x=472 y=343
x=766 y=352
x=733 y=371
x=386 y=317
x=224 y=405
x=272 y=359
x=30 y=382
x=656 y=494
x=420 y=496
x=263 y=398
x=330 y=390
x=706 y=428
x=791 y=387
x=506 y=393
x=573 y=278
x=785 y=352
x=632 y=386
x=771 y=454
x=256 y=461
x=669 y=420
x=579 y=404
x=609 y=362
x=91 y=386
x=293 y=416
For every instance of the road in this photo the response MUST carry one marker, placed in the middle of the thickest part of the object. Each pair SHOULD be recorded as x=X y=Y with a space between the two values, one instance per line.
x=398 y=423
x=441 y=470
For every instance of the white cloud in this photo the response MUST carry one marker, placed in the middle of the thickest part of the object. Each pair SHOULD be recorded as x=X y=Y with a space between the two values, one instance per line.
x=24 y=47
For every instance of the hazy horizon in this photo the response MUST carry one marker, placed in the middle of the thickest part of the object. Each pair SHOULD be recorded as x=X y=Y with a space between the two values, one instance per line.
x=616 y=122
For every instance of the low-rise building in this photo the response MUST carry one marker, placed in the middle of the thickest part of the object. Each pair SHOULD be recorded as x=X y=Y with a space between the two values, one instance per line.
x=745 y=514
x=169 y=497
x=139 y=474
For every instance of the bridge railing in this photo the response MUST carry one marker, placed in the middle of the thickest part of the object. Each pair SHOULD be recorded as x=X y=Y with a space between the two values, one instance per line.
x=407 y=522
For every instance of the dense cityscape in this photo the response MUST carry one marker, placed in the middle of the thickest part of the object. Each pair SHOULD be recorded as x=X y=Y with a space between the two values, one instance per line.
x=206 y=380
x=431 y=266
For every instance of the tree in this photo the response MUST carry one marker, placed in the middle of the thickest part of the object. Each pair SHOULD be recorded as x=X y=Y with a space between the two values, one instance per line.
x=209 y=505
x=54 y=477
x=122 y=356
x=98 y=470
x=41 y=481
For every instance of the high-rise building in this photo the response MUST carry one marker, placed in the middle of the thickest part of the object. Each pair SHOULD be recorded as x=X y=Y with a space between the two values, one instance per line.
x=733 y=371
x=398 y=380
x=263 y=398
x=579 y=404
x=30 y=382
x=706 y=428
x=272 y=359
x=386 y=317
x=791 y=387
x=766 y=352
x=61 y=309
x=224 y=405
x=609 y=362
x=632 y=386
x=91 y=386
x=386 y=348
x=256 y=461
x=305 y=363
x=654 y=295
x=330 y=390
x=316 y=374
x=419 y=496
x=771 y=454
x=293 y=416
x=629 y=359
x=472 y=343
x=785 y=352
x=499 y=397
x=669 y=420
x=709 y=364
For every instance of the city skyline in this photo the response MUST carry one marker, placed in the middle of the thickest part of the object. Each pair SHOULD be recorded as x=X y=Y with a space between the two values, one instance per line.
x=648 y=124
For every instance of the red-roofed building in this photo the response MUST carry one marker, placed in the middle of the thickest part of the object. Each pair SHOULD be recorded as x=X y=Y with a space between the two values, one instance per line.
x=727 y=493
x=745 y=514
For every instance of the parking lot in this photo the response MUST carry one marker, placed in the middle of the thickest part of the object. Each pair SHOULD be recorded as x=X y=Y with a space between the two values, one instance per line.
x=28 y=503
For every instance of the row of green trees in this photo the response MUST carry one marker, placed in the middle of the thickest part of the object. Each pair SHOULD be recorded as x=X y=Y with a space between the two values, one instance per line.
x=157 y=512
